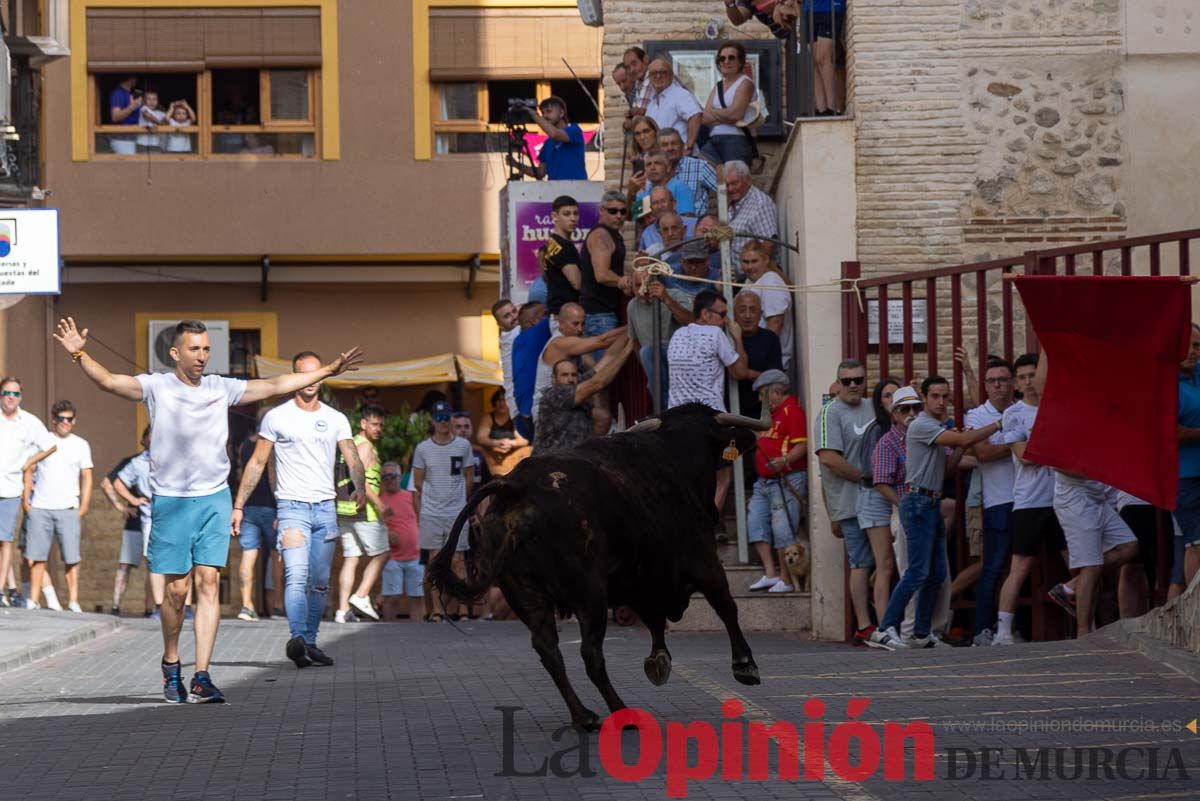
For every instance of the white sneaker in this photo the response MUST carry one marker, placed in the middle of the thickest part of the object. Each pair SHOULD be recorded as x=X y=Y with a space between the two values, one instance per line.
x=32 y=604
x=983 y=638
x=1003 y=638
x=364 y=605
x=344 y=617
x=764 y=583
x=74 y=607
x=887 y=639
x=51 y=599
x=781 y=586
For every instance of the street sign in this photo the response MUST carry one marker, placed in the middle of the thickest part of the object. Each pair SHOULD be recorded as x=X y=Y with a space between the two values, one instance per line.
x=29 y=259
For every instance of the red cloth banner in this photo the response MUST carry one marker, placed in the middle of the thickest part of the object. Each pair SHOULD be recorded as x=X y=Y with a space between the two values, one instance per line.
x=1113 y=346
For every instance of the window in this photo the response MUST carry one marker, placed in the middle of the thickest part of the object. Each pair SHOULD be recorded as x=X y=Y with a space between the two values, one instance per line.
x=470 y=115
x=225 y=83
x=481 y=58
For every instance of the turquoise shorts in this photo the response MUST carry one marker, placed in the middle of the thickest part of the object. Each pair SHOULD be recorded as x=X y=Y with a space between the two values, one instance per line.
x=185 y=532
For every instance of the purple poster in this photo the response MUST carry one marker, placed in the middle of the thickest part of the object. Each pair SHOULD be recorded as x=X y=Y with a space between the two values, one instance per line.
x=533 y=227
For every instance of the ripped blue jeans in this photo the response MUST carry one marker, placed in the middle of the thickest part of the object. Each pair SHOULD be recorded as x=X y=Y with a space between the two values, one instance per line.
x=306 y=564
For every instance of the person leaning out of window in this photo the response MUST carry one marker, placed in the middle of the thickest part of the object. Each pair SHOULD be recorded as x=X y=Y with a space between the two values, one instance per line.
x=730 y=106
x=561 y=156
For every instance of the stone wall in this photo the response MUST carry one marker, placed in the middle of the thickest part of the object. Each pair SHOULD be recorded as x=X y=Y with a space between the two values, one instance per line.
x=986 y=127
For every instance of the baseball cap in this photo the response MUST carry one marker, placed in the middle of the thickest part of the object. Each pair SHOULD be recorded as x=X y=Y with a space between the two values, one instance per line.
x=905 y=396
x=694 y=251
x=768 y=377
x=441 y=409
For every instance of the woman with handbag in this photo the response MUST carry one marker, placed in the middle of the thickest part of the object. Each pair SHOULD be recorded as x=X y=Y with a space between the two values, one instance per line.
x=731 y=110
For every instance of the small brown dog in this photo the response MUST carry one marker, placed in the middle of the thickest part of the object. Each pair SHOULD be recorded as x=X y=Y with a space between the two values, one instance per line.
x=796 y=557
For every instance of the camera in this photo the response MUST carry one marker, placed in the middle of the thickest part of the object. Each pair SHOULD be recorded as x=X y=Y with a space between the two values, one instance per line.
x=519 y=111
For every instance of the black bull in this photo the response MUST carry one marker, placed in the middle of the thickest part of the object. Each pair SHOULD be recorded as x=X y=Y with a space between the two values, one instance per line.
x=626 y=520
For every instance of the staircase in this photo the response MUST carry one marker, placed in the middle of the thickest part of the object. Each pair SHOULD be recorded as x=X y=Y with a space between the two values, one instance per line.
x=757 y=611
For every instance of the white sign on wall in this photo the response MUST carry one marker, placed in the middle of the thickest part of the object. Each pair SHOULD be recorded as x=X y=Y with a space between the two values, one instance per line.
x=896 y=322
x=29 y=262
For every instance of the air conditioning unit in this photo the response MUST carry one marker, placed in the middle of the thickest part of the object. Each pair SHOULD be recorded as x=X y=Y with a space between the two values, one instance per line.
x=162 y=334
x=591 y=12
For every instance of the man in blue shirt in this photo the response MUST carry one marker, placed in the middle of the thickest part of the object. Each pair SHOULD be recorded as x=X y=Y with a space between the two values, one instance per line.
x=527 y=347
x=561 y=156
x=1187 y=502
x=124 y=108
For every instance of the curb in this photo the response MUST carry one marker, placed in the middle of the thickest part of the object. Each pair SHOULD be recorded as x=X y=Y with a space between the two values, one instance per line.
x=1172 y=656
x=49 y=648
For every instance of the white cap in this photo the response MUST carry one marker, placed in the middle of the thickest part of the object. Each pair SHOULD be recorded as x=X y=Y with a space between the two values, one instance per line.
x=906 y=396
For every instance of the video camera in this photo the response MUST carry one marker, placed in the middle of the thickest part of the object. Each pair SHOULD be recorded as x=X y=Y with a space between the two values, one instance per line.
x=519 y=111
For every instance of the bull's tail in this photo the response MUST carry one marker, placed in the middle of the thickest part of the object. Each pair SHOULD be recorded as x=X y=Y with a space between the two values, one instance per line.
x=441 y=573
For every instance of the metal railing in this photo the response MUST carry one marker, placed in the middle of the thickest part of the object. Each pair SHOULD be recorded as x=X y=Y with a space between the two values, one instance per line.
x=940 y=309
x=800 y=63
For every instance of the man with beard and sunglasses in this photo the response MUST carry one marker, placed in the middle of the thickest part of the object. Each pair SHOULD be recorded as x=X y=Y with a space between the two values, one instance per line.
x=841 y=439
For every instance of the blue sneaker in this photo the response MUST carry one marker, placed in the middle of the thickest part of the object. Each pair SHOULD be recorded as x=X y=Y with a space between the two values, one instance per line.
x=173 y=690
x=204 y=691
x=188 y=614
x=156 y=614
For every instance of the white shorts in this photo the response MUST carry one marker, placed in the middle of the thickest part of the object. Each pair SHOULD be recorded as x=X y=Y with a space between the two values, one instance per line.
x=436 y=530
x=363 y=537
x=404 y=578
x=1090 y=525
x=133 y=547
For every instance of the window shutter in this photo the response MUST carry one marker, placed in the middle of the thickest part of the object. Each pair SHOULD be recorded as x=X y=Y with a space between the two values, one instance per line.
x=510 y=43
x=193 y=39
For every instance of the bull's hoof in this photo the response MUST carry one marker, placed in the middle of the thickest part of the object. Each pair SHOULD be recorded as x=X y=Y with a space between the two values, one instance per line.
x=658 y=668
x=746 y=672
x=588 y=721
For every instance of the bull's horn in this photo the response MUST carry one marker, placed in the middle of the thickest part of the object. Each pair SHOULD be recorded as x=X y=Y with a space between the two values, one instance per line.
x=649 y=424
x=727 y=419
x=620 y=418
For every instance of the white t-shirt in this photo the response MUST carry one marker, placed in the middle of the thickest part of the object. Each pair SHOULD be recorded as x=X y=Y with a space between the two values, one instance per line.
x=697 y=358
x=998 y=476
x=56 y=482
x=545 y=372
x=1033 y=485
x=726 y=129
x=179 y=143
x=672 y=108
x=306 y=446
x=507 y=338
x=191 y=427
x=19 y=438
x=774 y=303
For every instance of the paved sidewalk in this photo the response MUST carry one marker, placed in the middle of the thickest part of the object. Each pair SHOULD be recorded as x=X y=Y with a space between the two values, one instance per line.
x=409 y=712
x=26 y=636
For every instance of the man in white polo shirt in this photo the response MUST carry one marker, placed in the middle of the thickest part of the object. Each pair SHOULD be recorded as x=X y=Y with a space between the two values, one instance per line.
x=672 y=106
x=20 y=433
x=305 y=436
x=189 y=470
x=996 y=467
x=56 y=500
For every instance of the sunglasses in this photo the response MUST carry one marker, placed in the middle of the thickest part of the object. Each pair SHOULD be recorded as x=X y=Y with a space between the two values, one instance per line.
x=441 y=418
x=11 y=393
x=720 y=314
x=610 y=211
x=855 y=381
x=58 y=418
x=389 y=476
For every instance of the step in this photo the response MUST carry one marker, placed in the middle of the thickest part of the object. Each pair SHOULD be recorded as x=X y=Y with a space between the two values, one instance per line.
x=757 y=611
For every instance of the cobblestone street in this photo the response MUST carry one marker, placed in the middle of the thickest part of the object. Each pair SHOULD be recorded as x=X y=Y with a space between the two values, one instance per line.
x=409 y=711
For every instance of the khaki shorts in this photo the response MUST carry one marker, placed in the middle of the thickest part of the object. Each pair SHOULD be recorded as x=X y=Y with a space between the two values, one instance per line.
x=975 y=531
x=363 y=537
